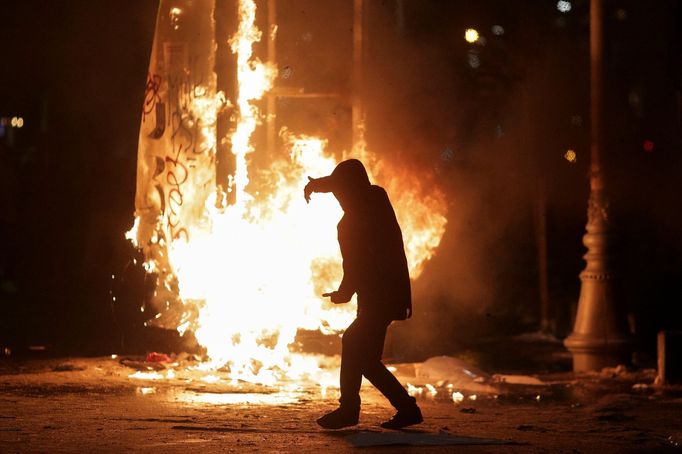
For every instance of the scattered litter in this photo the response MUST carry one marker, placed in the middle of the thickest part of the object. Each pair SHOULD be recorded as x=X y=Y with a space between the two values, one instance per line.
x=142 y=365
x=675 y=439
x=518 y=380
x=155 y=357
x=454 y=373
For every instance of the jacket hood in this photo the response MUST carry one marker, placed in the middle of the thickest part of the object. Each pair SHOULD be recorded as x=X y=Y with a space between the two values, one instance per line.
x=348 y=176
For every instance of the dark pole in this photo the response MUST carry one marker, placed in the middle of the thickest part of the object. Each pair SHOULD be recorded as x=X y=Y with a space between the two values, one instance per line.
x=600 y=337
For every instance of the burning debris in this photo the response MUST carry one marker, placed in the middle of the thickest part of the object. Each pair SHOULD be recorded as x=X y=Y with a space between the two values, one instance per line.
x=242 y=266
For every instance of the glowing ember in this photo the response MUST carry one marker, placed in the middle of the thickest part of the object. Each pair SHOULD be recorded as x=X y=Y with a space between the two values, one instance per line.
x=249 y=275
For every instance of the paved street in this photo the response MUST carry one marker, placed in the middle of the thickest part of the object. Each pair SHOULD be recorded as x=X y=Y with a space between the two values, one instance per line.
x=88 y=405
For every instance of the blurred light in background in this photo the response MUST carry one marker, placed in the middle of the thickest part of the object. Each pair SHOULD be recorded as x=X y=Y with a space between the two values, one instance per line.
x=498 y=30
x=576 y=120
x=563 y=6
x=447 y=154
x=174 y=15
x=471 y=35
x=474 y=60
x=571 y=156
x=648 y=146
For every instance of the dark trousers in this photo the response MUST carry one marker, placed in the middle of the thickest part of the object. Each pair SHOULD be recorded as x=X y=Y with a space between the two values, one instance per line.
x=362 y=346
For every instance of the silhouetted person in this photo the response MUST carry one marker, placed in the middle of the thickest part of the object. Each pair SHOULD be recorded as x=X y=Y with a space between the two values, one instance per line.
x=374 y=267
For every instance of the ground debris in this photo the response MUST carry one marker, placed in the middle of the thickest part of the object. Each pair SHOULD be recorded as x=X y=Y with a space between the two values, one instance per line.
x=142 y=365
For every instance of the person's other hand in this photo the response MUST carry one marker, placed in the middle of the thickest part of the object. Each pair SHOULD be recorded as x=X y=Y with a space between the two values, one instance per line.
x=308 y=189
x=336 y=297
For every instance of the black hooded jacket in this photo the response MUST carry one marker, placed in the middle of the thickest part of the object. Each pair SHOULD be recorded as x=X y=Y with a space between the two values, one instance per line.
x=374 y=262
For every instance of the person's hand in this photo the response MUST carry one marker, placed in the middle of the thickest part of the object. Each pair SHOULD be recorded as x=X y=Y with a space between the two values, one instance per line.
x=336 y=297
x=308 y=189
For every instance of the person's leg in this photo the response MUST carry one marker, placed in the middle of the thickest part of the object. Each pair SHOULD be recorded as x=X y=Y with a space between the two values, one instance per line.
x=350 y=380
x=350 y=376
x=375 y=371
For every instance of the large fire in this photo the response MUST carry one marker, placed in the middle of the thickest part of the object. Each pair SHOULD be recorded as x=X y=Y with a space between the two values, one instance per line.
x=249 y=274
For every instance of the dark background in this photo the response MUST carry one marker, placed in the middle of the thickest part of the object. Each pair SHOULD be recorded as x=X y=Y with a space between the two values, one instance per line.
x=490 y=135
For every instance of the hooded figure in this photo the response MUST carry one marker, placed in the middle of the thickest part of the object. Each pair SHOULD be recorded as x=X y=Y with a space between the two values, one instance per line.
x=374 y=267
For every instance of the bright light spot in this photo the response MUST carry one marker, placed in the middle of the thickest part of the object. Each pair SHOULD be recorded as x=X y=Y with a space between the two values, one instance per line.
x=498 y=30
x=414 y=390
x=170 y=374
x=145 y=391
x=20 y=122
x=146 y=375
x=432 y=390
x=210 y=379
x=457 y=397
x=564 y=6
x=174 y=15
x=471 y=35
x=571 y=156
x=114 y=356
x=473 y=397
x=391 y=368
x=648 y=146
x=538 y=397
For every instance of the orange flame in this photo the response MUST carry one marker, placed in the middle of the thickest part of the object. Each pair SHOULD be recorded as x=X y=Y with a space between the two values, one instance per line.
x=250 y=274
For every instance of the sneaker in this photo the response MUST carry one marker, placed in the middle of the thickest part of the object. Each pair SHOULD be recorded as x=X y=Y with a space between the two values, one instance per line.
x=339 y=418
x=404 y=418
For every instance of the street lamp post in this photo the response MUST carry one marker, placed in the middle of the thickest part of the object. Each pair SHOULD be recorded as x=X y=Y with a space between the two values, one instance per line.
x=600 y=336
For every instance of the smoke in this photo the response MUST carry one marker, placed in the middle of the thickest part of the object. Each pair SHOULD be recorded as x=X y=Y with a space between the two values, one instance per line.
x=471 y=130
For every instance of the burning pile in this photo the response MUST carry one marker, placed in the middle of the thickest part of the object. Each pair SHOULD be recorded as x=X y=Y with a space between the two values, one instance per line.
x=244 y=277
